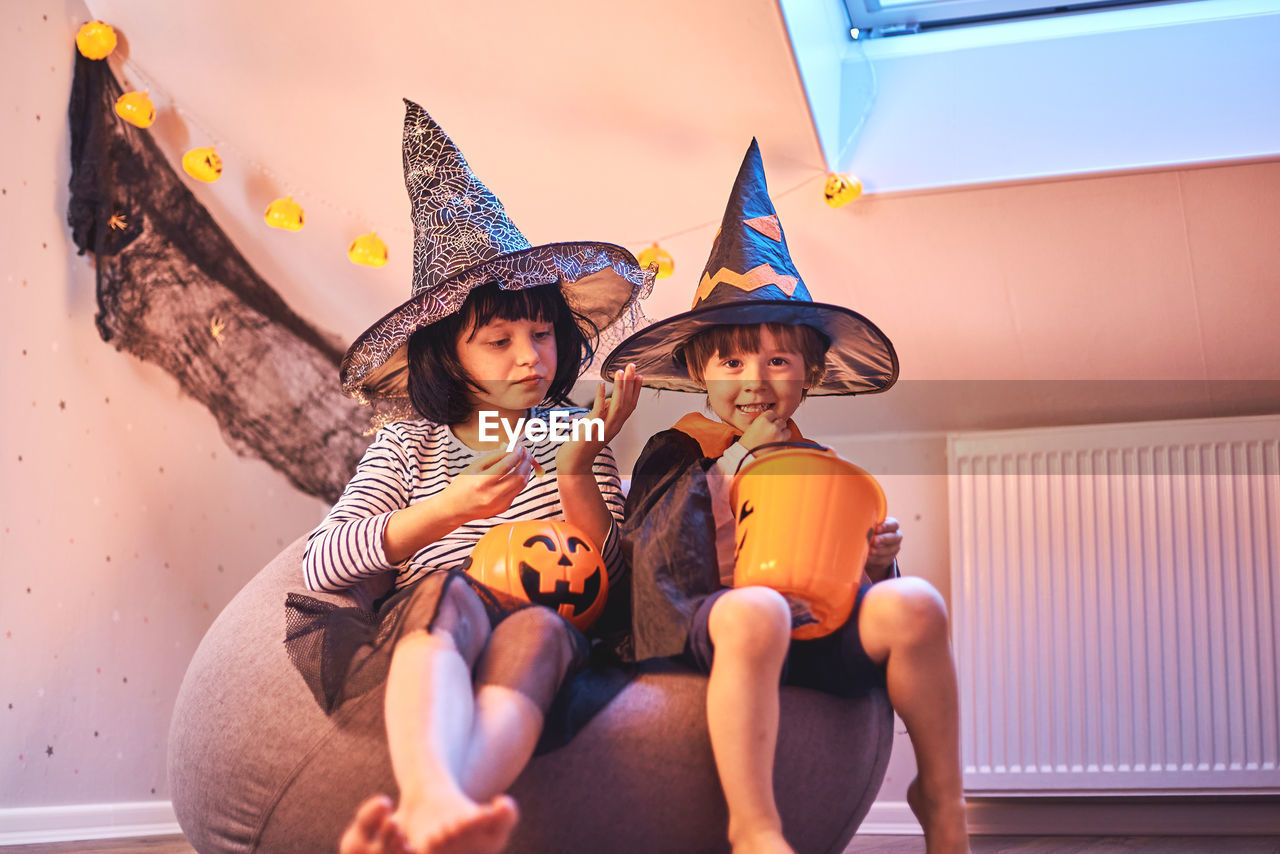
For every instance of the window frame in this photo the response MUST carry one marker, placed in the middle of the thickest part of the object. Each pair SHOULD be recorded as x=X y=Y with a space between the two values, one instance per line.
x=882 y=18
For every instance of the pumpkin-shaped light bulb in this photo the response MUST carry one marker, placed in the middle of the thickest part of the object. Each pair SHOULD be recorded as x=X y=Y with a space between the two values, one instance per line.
x=96 y=40
x=203 y=164
x=368 y=250
x=546 y=562
x=285 y=213
x=136 y=109
x=655 y=254
x=841 y=188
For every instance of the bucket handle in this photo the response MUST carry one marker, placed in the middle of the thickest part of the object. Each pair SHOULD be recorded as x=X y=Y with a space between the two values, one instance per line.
x=803 y=444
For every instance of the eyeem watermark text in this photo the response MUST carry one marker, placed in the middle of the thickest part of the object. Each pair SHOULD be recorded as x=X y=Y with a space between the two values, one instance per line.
x=560 y=428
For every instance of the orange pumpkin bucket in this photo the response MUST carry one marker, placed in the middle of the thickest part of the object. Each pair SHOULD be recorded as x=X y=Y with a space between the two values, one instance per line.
x=546 y=562
x=804 y=522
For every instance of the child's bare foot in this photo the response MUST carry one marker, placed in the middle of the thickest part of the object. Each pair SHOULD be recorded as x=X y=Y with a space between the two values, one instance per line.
x=945 y=830
x=470 y=828
x=766 y=841
x=374 y=830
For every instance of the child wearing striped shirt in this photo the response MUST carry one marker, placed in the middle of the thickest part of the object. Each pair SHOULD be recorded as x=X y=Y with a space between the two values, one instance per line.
x=471 y=677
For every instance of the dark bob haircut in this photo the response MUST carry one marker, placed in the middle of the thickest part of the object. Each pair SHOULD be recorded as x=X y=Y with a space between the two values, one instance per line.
x=811 y=344
x=439 y=387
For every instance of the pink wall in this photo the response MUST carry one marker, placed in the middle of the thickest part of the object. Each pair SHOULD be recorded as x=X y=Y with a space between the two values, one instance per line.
x=128 y=523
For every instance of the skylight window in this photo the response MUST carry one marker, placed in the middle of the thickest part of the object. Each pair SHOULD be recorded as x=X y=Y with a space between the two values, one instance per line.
x=879 y=18
x=1000 y=90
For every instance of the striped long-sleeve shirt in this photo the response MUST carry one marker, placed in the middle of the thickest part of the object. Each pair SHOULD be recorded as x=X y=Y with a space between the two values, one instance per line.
x=410 y=461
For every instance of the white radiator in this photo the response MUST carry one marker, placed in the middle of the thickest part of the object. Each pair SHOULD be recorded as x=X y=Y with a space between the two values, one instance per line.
x=1115 y=592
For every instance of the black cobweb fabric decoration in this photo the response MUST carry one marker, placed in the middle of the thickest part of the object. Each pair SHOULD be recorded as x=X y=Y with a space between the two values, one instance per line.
x=271 y=381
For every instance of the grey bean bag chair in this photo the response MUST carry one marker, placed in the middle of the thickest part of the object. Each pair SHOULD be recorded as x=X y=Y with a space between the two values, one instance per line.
x=256 y=766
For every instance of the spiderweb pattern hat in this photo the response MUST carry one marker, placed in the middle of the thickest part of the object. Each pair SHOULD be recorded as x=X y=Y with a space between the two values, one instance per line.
x=462 y=239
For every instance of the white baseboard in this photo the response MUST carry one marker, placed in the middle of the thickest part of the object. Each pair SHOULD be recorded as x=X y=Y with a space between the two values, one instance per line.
x=26 y=825
x=1199 y=815
x=890 y=818
x=1095 y=816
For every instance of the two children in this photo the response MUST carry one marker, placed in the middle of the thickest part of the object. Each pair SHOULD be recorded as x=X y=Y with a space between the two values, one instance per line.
x=471 y=677
x=757 y=345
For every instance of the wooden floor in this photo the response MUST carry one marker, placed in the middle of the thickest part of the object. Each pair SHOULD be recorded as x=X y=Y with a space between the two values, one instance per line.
x=150 y=845
x=861 y=845
x=1079 y=845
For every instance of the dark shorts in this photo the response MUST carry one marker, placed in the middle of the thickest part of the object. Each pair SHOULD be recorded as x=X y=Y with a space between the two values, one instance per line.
x=418 y=607
x=835 y=664
x=343 y=652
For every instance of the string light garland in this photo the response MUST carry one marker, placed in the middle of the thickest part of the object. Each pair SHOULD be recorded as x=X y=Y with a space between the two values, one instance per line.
x=220 y=144
x=286 y=214
x=368 y=250
x=136 y=108
x=97 y=39
x=655 y=254
x=672 y=235
x=841 y=188
x=203 y=164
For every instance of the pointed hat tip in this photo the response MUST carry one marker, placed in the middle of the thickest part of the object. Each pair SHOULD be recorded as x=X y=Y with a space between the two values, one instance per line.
x=416 y=116
x=752 y=162
x=753 y=159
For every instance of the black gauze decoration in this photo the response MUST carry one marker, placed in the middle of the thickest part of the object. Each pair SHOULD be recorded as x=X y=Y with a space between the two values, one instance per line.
x=166 y=272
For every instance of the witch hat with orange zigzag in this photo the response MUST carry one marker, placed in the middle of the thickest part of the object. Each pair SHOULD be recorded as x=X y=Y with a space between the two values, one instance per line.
x=750 y=278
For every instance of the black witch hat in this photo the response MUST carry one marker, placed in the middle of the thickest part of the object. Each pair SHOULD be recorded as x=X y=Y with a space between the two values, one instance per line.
x=750 y=278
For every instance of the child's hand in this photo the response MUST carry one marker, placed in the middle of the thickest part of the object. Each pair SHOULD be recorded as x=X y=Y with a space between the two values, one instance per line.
x=765 y=429
x=577 y=457
x=489 y=485
x=885 y=545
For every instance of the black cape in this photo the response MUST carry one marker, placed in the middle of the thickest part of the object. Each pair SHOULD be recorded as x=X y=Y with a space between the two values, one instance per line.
x=669 y=539
x=669 y=536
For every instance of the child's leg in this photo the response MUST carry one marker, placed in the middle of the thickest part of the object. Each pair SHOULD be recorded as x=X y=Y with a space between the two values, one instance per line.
x=750 y=628
x=527 y=658
x=903 y=624
x=506 y=725
x=429 y=716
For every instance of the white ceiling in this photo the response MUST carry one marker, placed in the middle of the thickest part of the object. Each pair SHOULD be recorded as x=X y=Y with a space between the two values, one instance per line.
x=626 y=121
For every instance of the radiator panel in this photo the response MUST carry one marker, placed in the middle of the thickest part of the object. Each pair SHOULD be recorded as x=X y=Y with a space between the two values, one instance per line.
x=1115 y=592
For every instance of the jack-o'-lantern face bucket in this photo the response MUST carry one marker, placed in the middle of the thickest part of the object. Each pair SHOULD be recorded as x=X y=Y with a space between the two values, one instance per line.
x=550 y=563
x=804 y=519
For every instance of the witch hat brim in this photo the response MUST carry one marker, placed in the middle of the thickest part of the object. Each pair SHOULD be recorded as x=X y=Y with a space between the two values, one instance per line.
x=749 y=278
x=600 y=281
x=861 y=359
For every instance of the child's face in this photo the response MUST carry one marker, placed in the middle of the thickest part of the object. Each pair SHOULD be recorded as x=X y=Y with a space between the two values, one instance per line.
x=513 y=361
x=742 y=385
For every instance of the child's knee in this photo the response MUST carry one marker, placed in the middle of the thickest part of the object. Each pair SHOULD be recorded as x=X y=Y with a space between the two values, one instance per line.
x=753 y=621
x=530 y=652
x=459 y=614
x=911 y=608
x=540 y=632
